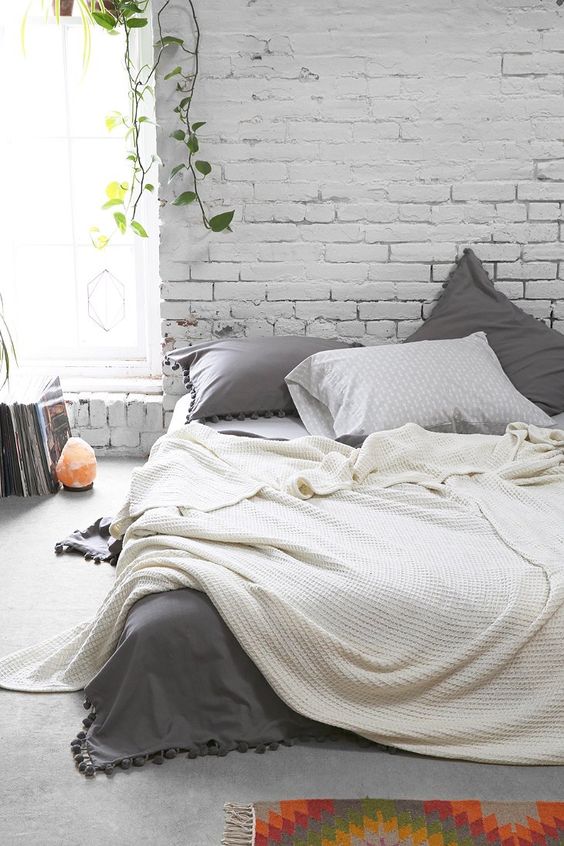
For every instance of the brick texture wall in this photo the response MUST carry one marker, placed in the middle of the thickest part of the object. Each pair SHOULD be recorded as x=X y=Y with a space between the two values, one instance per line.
x=363 y=145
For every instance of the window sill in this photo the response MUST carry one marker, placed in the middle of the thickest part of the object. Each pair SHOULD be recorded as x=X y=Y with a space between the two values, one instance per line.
x=111 y=385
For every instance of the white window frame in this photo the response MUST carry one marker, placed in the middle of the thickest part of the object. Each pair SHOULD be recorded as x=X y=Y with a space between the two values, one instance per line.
x=115 y=374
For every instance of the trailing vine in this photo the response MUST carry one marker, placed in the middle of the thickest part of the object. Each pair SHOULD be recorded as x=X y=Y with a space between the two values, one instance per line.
x=123 y=198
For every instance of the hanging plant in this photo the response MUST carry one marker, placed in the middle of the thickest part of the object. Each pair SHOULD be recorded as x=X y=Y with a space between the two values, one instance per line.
x=122 y=201
x=123 y=198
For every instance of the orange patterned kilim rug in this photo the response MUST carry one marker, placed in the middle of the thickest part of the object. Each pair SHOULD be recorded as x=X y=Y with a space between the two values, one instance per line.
x=389 y=822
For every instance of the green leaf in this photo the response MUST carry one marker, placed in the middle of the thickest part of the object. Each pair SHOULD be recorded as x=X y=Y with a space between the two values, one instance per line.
x=111 y=203
x=131 y=157
x=179 y=134
x=193 y=144
x=184 y=199
x=197 y=125
x=174 y=72
x=104 y=19
x=184 y=102
x=121 y=221
x=138 y=229
x=176 y=169
x=169 y=39
x=116 y=190
x=149 y=187
x=203 y=167
x=221 y=221
x=136 y=23
x=114 y=119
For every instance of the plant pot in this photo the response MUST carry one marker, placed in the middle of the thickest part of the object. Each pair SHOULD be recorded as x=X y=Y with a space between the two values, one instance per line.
x=66 y=7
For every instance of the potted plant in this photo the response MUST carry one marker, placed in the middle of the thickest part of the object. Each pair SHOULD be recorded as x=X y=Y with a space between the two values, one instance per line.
x=7 y=351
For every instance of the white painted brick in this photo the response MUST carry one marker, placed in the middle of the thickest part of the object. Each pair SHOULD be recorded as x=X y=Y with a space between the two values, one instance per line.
x=320 y=212
x=418 y=193
x=493 y=192
x=371 y=212
x=96 y=437
x=552 y=289
x=214 y=271
x=239 y=291
x=399 y=272
x=422 y=252
x=496 y=252
x=71 y=402
x=351 y=329
x=187 y=290
x=117 y=416
x=515 y=212
x=532 y=63
x=541 y=191
x=551 y=170
x=356 y=252
x=135 y=404
x=544 y=252
x=255 y=172
x=544 y=211
x=525 y=232
x=153 y=414
x=384 y=330
x=289 y=326
x=415 y=212
x=511 y=288
x=526 y=270
x=271 y=270
x=389 y=310
x=124 y=437
x=83 y=411
x=325 y=309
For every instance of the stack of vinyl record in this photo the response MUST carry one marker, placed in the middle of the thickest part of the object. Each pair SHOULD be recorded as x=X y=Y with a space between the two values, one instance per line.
x=34 y=428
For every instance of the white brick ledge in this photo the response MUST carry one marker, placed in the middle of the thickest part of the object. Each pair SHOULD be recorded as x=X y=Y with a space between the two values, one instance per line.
x=128 y=424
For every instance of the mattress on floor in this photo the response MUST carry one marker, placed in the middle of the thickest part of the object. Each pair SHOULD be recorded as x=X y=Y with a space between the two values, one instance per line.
x=265 y=427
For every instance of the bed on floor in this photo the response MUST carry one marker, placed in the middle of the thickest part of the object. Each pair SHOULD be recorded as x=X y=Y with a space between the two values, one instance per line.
x=365 y=546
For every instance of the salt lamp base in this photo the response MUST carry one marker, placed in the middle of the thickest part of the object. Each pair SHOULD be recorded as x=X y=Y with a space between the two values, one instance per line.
x=79 y=490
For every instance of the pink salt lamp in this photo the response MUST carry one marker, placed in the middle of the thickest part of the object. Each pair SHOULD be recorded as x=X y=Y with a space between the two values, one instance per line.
x=76 y=467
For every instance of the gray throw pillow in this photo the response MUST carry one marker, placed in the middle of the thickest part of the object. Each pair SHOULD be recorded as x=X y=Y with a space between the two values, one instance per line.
x=244 y=377
x=531 y=354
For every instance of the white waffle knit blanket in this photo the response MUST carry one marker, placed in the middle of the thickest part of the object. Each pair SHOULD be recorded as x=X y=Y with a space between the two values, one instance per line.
x=411 y=590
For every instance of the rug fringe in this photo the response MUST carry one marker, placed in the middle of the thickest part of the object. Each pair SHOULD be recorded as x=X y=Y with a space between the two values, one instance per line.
x=239 y=827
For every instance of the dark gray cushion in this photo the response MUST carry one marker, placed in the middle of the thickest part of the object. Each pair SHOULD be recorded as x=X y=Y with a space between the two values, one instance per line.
x=531 y=353
x=240 y=377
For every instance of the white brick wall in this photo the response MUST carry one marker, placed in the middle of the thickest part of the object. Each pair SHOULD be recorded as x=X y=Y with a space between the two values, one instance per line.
x=125 y=423
x=363 y=145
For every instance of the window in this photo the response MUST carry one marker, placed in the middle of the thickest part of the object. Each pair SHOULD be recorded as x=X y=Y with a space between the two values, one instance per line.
x=57 y=159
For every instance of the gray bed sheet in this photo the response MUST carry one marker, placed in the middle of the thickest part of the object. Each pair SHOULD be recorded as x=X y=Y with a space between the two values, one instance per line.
x=179 y=680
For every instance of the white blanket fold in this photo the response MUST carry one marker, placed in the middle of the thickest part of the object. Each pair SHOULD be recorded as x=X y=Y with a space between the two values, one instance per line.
x=411 y=590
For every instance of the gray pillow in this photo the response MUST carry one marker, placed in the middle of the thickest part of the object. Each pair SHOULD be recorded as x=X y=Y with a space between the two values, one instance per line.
x=447 y=386
x=244 y=377
x=531 y=353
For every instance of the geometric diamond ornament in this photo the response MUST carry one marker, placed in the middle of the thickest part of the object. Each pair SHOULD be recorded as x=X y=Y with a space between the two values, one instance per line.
x=106 y=300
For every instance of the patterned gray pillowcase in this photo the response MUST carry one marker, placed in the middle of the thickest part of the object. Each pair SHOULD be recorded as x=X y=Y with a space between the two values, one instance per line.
x=448 y=386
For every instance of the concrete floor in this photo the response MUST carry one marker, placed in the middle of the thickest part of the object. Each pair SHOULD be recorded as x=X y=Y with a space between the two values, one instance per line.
x=44 y=802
